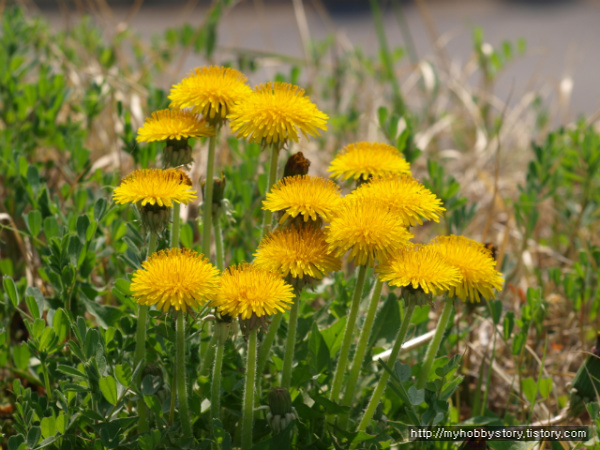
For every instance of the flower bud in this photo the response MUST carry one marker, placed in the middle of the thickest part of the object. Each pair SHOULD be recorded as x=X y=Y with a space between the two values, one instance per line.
x=281 y=412
x=154 y=218
x=416 y=296
x=296 y=164
x=177 y=153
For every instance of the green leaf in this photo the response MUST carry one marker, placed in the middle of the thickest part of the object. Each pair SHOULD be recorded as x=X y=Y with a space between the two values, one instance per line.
x=99 y=209
x=21 y=355
x=68 y=370
x=387 y=320
x=361 y=436
x=47 y=340
x=38 y=328
x=509 y=324
x=51 y=228
x=545 y=387
x=61 y=423
x=186 y=234
x=402 y=371
x=60 y=324
x=83 y=222
x=530 y=389
x=16 y=442
x=33 y=177
x=496 y=307
x=318 y=351
x=330 y=407
x=34 y=222
x=107 y=316
x=33 y=436
x=222 y=438
x=151 y=440
x=11 y=289
x=108 y=387
x=151 y=384
x=35 y=301
x=416 y=396
x=92 y=340
x=68 y=275
x=48 y=426
x=123 y=374
x=334 y=335
x=74 y=249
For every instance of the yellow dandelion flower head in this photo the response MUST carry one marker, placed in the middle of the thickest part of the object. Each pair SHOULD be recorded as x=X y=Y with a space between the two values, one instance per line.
x=476 y=265
x=368 y=229
x=275 y=113
x=248 y=290
x=297 y=251
x=174 y=124
x=305 y=195
x=367 y=159
x=404 y=195
x=155 y=187
x=175 y=278
x=420 y=266
x=210 y=91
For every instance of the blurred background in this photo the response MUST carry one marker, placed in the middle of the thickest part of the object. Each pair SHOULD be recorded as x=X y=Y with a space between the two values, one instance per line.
x=560 y=60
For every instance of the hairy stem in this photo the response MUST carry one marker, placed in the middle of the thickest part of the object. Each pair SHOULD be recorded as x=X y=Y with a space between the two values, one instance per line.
x=208 y=197
x=434 y=345
x=248 y=407
x=140 y=347
x=340 y=369
x=184 y=415
x=378 y=392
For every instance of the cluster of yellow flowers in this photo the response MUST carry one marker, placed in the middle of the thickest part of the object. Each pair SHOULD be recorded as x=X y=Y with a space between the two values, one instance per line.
x=371 y=223
x=317 y=225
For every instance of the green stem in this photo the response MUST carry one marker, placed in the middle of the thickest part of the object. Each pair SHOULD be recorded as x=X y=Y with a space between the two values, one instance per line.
x=489 y=372
x=248 y=407
x=184 y=415
x=219 y=241
x=209 y=355
x=290 y=343
x=361 y=349
x=140 y=346
x=268 y=217
x=215 y=390
x=46 y=378
x=378 y=392
x=208 y=197
x=434 y=345
x=176 y=225
x=340 y=369
x=267 y=343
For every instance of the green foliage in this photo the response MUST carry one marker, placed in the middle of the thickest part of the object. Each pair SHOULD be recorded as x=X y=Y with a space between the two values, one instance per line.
x=67 y=319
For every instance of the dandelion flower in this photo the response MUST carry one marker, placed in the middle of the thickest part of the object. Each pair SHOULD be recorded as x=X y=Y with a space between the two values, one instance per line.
x=368 y=229
x=155 y=187
x=275 y=113
x=404 y=195
x=420 y=266
x=296 y=251
x=367 y=159
x=175 y=278
x=304 y=195
x=210 y=91
x=174 y=124
x=247 y=290
x=476 y=264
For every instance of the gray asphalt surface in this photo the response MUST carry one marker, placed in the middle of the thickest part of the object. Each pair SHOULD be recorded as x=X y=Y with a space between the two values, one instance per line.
x=563 y=37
